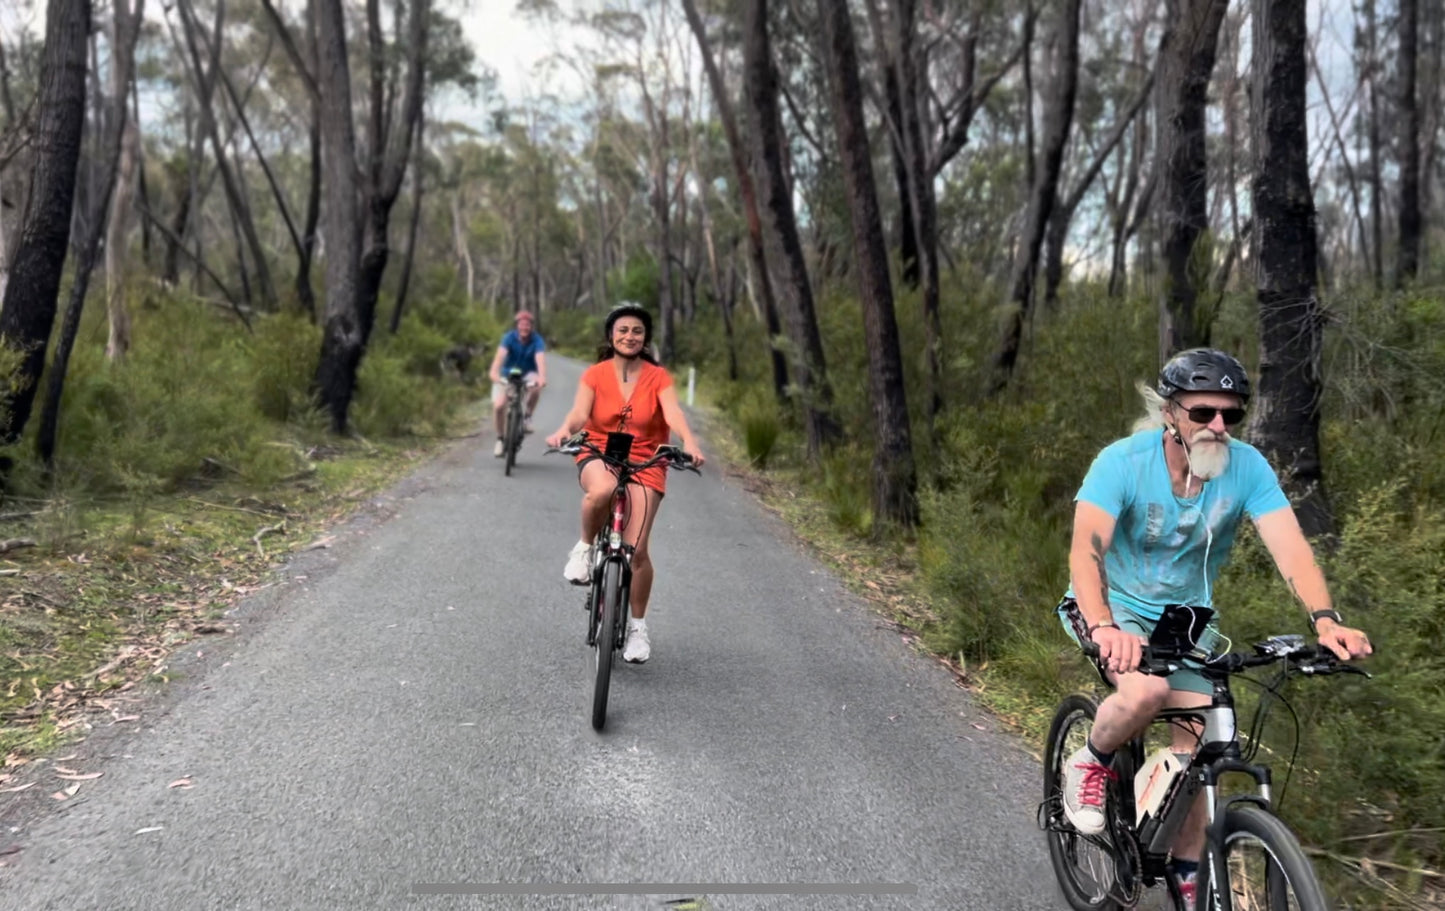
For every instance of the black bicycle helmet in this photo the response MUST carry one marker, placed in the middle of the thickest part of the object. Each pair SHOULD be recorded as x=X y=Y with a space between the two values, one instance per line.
x=628 y=308
x=1203 y=370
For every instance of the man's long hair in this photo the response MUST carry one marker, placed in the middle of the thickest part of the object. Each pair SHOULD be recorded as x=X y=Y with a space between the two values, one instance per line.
x=1154 y=405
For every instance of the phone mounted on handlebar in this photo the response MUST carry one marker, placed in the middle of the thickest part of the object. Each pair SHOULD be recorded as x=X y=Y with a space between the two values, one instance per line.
x=619 y=446
x=1180 y=627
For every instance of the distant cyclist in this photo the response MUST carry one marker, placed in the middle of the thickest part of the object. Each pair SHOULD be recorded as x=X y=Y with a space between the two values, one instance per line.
x=522 y=349
x=627 y=392
x=1154 y=522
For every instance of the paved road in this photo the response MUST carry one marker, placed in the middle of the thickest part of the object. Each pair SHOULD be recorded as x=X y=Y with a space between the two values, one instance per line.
x=410 y=707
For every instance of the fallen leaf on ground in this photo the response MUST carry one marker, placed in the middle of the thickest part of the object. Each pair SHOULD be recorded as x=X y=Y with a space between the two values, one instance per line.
x=9 y=849
x=86 y=776
x=181 y=783
x=18 y=787
x=66 y=793
x=148 y=829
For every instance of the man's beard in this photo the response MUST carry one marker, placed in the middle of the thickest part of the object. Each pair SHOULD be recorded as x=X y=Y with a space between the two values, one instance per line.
x=1208 y=455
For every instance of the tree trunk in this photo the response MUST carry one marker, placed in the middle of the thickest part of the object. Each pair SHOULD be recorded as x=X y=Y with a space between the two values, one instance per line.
x=887 y=49
x=343 y=338
x=410 y=256
x=1409 y=145
x=1186 y=66
x=794 y=288
x=738 y=152
x=28 y=313
x=109 y=150
x=923 y=205
x=1285 y=417
x=118 y=339
x=1058 y=119
x=895 y=494
x=122 y=65
x=1371 y=66
x=388 y=153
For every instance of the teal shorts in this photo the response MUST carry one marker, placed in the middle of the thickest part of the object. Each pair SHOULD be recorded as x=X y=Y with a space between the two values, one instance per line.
x=1188 y=680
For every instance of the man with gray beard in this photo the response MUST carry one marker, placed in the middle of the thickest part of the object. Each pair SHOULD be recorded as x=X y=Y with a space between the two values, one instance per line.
x=1154 y=522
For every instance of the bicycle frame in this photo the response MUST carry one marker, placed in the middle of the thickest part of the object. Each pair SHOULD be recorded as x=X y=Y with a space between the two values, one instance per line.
x=1139 y=848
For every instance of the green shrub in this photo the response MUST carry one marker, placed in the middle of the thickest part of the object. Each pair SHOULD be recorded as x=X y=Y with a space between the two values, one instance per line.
x=761 y=426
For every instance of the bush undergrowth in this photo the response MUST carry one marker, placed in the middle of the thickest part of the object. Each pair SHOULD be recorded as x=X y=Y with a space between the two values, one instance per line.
x=996 y=503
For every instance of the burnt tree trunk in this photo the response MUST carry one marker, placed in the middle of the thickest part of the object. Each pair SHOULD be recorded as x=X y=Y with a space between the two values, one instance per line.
x=1058 y=118
x=388 y=152
x=1285 y=417
x=343 y=338
x=1190 y=48
x=895 y=483
x=794 y=292
x=757 y=259
x=28 y=312
x=109 y=150
x=1409 y=145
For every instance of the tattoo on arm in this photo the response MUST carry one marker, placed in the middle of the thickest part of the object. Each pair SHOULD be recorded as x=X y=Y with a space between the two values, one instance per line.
x=1098 y=544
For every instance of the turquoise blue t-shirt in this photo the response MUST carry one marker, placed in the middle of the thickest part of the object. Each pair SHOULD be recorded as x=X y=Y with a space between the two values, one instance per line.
x=1169 y=549
x=521 y=355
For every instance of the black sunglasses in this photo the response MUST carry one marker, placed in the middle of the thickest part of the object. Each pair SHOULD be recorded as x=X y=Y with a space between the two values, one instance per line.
x=1204 y=414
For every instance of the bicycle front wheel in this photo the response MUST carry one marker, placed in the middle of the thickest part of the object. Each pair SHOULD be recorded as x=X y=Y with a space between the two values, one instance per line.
x=1263 y=866
x=612 y=604
x=1085 y=867
x=511 y=439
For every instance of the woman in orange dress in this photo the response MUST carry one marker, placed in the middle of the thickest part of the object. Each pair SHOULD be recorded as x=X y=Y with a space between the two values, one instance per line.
x=626 y=391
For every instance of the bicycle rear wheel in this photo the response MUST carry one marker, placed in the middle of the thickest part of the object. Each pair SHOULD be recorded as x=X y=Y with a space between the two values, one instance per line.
x=511 y=440
x=606 y=644
x=1264 y=867
x=1085 y=865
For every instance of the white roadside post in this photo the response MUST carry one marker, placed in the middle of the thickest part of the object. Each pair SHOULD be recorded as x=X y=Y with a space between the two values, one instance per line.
x=691 y=384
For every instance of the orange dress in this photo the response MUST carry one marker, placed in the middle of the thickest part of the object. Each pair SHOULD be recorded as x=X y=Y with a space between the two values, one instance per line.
x=640 y=415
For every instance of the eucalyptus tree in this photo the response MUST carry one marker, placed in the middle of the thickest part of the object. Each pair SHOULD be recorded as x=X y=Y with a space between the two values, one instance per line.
x=1408 y=143
x=809 y=368
x=746 y=190
x=1185 y=67
x=1058 y=118
x=1285 y=412
x=27 y=314
x=895 y=477
x=115 y=123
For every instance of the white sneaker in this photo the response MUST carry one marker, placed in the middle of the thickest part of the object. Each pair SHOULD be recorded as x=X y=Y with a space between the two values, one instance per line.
x=1086 y=784
x=527 y=425
x=578 y=571
x=637 y=649
x=499 y=450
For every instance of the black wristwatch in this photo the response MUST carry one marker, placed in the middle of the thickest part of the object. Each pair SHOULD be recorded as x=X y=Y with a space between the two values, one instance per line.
x=1317 y=616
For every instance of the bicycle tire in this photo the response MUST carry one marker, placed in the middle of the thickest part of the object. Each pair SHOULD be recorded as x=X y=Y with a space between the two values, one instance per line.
x=510 y=440
x=1068 y=850
x=606 y=645
x=1280 y=878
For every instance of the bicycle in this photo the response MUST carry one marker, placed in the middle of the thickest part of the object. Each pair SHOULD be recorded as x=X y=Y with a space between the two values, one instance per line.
x=516 y=423
x=1152 y=796
x=611 y=557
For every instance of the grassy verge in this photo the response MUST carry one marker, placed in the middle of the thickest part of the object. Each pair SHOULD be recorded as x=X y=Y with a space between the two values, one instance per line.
x=109 y=589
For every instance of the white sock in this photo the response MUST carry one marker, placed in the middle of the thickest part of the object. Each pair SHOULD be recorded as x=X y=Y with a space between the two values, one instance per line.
x=636 y=623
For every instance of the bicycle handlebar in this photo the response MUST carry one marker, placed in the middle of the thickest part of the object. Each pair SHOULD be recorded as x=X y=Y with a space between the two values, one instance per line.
x=666 y=454
x=1310 y=660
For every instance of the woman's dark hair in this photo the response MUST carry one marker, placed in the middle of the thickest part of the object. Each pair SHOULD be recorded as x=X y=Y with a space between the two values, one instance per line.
x=627 y=308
